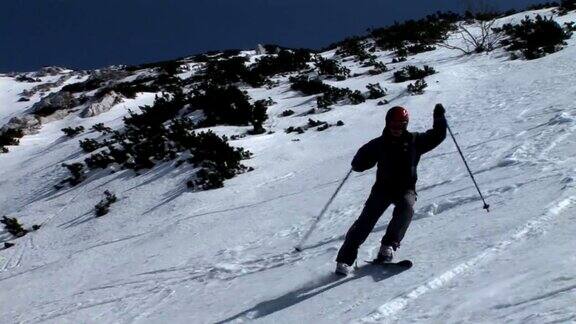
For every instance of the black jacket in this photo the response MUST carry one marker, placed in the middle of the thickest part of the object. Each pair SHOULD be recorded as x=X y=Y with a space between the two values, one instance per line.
x=398 y=157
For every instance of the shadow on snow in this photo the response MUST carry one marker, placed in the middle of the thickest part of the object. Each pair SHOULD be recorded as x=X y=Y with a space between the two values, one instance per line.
x=311 y=289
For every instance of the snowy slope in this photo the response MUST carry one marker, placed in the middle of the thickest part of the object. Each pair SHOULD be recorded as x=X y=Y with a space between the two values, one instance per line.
x=165 y=254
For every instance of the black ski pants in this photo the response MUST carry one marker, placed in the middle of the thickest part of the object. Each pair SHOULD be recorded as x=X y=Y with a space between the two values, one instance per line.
x=378 y=201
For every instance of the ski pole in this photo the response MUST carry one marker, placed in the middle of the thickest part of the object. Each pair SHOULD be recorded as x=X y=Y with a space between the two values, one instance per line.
x=317 y=219
x=486 y=206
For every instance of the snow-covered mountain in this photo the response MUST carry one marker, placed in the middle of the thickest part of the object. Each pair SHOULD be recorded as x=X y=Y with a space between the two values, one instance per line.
x=168 y=254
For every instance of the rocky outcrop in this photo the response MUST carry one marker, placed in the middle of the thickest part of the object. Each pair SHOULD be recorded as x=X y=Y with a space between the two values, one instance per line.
x=26 y=78
x=260 y=50
x=102 y=105
x=109 y=74
x=27 y=124
x=49 y=71
x=55 y=102
x=44 y=87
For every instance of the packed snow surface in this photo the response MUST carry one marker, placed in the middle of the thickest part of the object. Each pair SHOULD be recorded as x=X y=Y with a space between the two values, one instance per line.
x=168 y=255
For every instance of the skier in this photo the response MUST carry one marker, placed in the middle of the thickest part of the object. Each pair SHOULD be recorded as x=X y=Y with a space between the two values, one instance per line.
x=397 y=153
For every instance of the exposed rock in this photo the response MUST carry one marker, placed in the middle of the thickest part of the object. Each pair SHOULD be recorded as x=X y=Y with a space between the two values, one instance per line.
x=49 y=71
x=260 y=50
x=102 y=105
x=109 y=74
x=59 y=101
x=25 y=78
x=27 y=124
x=44 y=87
x=97 y=79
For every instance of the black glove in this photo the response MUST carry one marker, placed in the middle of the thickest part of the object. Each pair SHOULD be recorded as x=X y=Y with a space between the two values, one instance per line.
x=439 y=111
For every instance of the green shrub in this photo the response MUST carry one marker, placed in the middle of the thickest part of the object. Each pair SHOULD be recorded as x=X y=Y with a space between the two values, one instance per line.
x=353 y=47
x=535 y=38
x=13 y=226
x=314 y=123
x=332 y=96
x=77 y=175
x=71 y=132
x=206 y=179
x=356 y=97
x=419 y=48
x=566 y=6
x=130 y=89
x=231 y=52
x=483 y=16
x=141 y=146
x=378 y=67
x=101 y=128
x=331 y=68
x=308 y=86
x=375 y=91
x=217 y=159
x=169 y=67
x=100 y=160
x=412 y=72
x=417 y=88
x=321 y=126
x=10 y=137
x=545 y=5
x=427 y=31
x=223 y=105
x=92 y=83
x=90 y=145
x=230 y=71
x=259 y=116
x=103 y=207
x=293 y=129
x=165 y=107
x=283 y=62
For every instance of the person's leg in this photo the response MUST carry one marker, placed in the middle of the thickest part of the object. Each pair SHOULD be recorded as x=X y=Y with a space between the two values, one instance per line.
x=401 y=218
x=359 y=231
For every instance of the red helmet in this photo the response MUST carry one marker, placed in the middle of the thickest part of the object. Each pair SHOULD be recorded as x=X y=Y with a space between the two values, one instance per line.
x=397 y=114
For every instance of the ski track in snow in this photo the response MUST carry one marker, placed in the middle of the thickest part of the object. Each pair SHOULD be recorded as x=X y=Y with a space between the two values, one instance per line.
x=392 y=307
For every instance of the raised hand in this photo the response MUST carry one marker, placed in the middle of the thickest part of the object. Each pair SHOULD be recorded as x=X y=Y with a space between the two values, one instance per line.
x=439 y=111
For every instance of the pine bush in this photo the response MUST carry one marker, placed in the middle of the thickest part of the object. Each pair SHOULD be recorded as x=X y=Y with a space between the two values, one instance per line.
x=13 y=226
x=331 y=68
x=535 y=38
x=412 y=72
x=417 y=88
x=71 y=132
x=103 y=207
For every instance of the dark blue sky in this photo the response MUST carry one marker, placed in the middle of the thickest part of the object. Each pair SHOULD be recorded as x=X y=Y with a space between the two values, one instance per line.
x=86 y=34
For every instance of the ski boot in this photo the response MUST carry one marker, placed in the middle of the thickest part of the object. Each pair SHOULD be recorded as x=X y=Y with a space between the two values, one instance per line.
x=385 y=254
x=342 y=269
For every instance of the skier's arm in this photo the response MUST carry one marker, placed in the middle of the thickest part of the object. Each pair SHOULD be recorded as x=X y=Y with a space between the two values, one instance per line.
x=433 y=137
x=366 y=157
